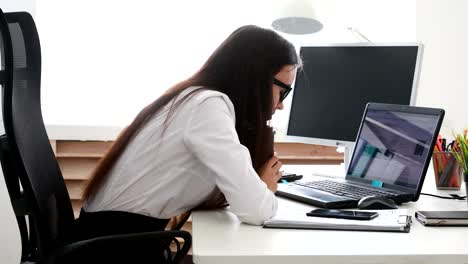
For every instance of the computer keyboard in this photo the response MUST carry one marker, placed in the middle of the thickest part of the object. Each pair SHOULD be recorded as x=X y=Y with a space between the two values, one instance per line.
x=343 y=189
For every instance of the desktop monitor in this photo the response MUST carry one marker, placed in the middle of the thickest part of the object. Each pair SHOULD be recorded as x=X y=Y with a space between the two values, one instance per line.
x=337 y=81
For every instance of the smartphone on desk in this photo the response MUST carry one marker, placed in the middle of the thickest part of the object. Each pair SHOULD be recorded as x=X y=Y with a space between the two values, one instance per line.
x=355 y=215
x=289 y=177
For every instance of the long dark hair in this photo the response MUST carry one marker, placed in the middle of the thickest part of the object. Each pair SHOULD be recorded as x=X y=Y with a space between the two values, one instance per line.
x=242 y=67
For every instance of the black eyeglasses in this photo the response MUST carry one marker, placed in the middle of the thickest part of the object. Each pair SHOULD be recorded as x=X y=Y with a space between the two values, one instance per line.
x=285 y=91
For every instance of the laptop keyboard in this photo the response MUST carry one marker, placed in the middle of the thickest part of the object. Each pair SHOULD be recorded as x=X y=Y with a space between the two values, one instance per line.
x=343 y=189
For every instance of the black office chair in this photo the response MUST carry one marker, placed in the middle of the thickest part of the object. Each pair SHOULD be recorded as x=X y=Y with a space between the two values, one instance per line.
x=35 y=184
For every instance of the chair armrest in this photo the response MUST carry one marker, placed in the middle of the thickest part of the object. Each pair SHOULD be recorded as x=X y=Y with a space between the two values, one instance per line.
x=128 y=247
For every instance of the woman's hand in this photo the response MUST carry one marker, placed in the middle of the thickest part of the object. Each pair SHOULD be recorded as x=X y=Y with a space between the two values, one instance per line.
x=270 y=172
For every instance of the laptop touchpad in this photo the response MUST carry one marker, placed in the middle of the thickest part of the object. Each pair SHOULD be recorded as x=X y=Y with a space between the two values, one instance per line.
x=310 y=192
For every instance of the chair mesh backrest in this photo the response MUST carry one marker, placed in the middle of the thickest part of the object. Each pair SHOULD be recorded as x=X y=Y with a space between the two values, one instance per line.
x=43 y=184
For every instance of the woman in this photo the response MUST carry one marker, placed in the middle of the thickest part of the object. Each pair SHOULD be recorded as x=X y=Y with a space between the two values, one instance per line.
x=205 y=141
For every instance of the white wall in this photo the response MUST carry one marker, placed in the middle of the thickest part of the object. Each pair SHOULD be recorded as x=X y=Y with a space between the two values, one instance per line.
x=105 y=60
x=101 y=65
x=443 y=27
x=18 y=5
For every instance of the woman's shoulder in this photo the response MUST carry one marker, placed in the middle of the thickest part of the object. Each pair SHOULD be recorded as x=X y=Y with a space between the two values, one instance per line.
x=213 y=98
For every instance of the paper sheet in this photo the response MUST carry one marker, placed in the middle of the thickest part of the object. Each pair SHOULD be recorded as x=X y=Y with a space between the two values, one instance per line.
x=388 y=220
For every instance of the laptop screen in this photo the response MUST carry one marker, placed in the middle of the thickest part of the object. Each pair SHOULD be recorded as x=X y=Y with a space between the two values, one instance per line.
x=393 y=147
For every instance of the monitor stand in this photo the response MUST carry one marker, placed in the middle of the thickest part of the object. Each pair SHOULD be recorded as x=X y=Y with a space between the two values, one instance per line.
x=347 y=150
x=347 y=157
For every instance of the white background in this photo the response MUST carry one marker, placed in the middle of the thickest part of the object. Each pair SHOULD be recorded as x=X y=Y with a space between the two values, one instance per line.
x=105 y=60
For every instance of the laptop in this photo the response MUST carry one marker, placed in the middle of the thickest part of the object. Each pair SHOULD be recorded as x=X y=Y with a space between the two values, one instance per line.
x=390 y=158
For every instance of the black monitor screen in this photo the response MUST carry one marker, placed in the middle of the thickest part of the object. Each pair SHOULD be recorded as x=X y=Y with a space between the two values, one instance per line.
x=336 y=82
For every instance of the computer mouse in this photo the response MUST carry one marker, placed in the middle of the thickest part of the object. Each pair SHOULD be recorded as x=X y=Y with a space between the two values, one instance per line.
x=376 y=202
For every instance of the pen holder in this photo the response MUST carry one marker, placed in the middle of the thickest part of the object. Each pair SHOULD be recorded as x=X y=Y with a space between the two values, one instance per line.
x=447 y=170
x=465 y=178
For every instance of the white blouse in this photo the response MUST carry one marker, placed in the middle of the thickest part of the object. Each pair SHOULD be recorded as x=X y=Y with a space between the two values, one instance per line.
x=164 y=175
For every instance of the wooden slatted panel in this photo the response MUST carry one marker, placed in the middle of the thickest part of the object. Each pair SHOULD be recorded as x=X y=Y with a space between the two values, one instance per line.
x=77 y=159
x=76 y=204
x=75 y=188
x=82 y=148
x=77 y=168
x=298 y=153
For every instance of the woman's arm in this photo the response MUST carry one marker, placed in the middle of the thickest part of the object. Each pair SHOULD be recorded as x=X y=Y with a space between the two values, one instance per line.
x=211 y=135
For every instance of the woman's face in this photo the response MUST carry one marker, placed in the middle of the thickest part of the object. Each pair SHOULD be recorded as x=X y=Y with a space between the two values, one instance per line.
x=286 y=76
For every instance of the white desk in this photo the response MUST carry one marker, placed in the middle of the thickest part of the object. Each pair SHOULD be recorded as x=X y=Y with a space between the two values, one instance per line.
x=219 y=237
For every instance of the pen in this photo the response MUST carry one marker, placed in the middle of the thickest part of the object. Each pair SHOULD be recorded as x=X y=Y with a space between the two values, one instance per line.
x=439 y=142
x=450 y=146
x=439 y=145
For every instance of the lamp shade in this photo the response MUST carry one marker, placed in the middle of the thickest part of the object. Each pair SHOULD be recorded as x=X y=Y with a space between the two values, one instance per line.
x=296 y=17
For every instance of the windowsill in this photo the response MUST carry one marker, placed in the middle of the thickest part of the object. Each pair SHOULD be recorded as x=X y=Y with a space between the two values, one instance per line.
x=83 y=133
x=290 y=153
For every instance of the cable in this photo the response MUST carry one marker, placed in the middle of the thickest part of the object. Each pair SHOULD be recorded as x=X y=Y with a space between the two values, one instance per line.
x=451 y=197
x=356 y=32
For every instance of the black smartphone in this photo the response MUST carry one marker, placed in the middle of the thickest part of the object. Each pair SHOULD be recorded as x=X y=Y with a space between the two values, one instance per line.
x=289 y=177
x=356 y=215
